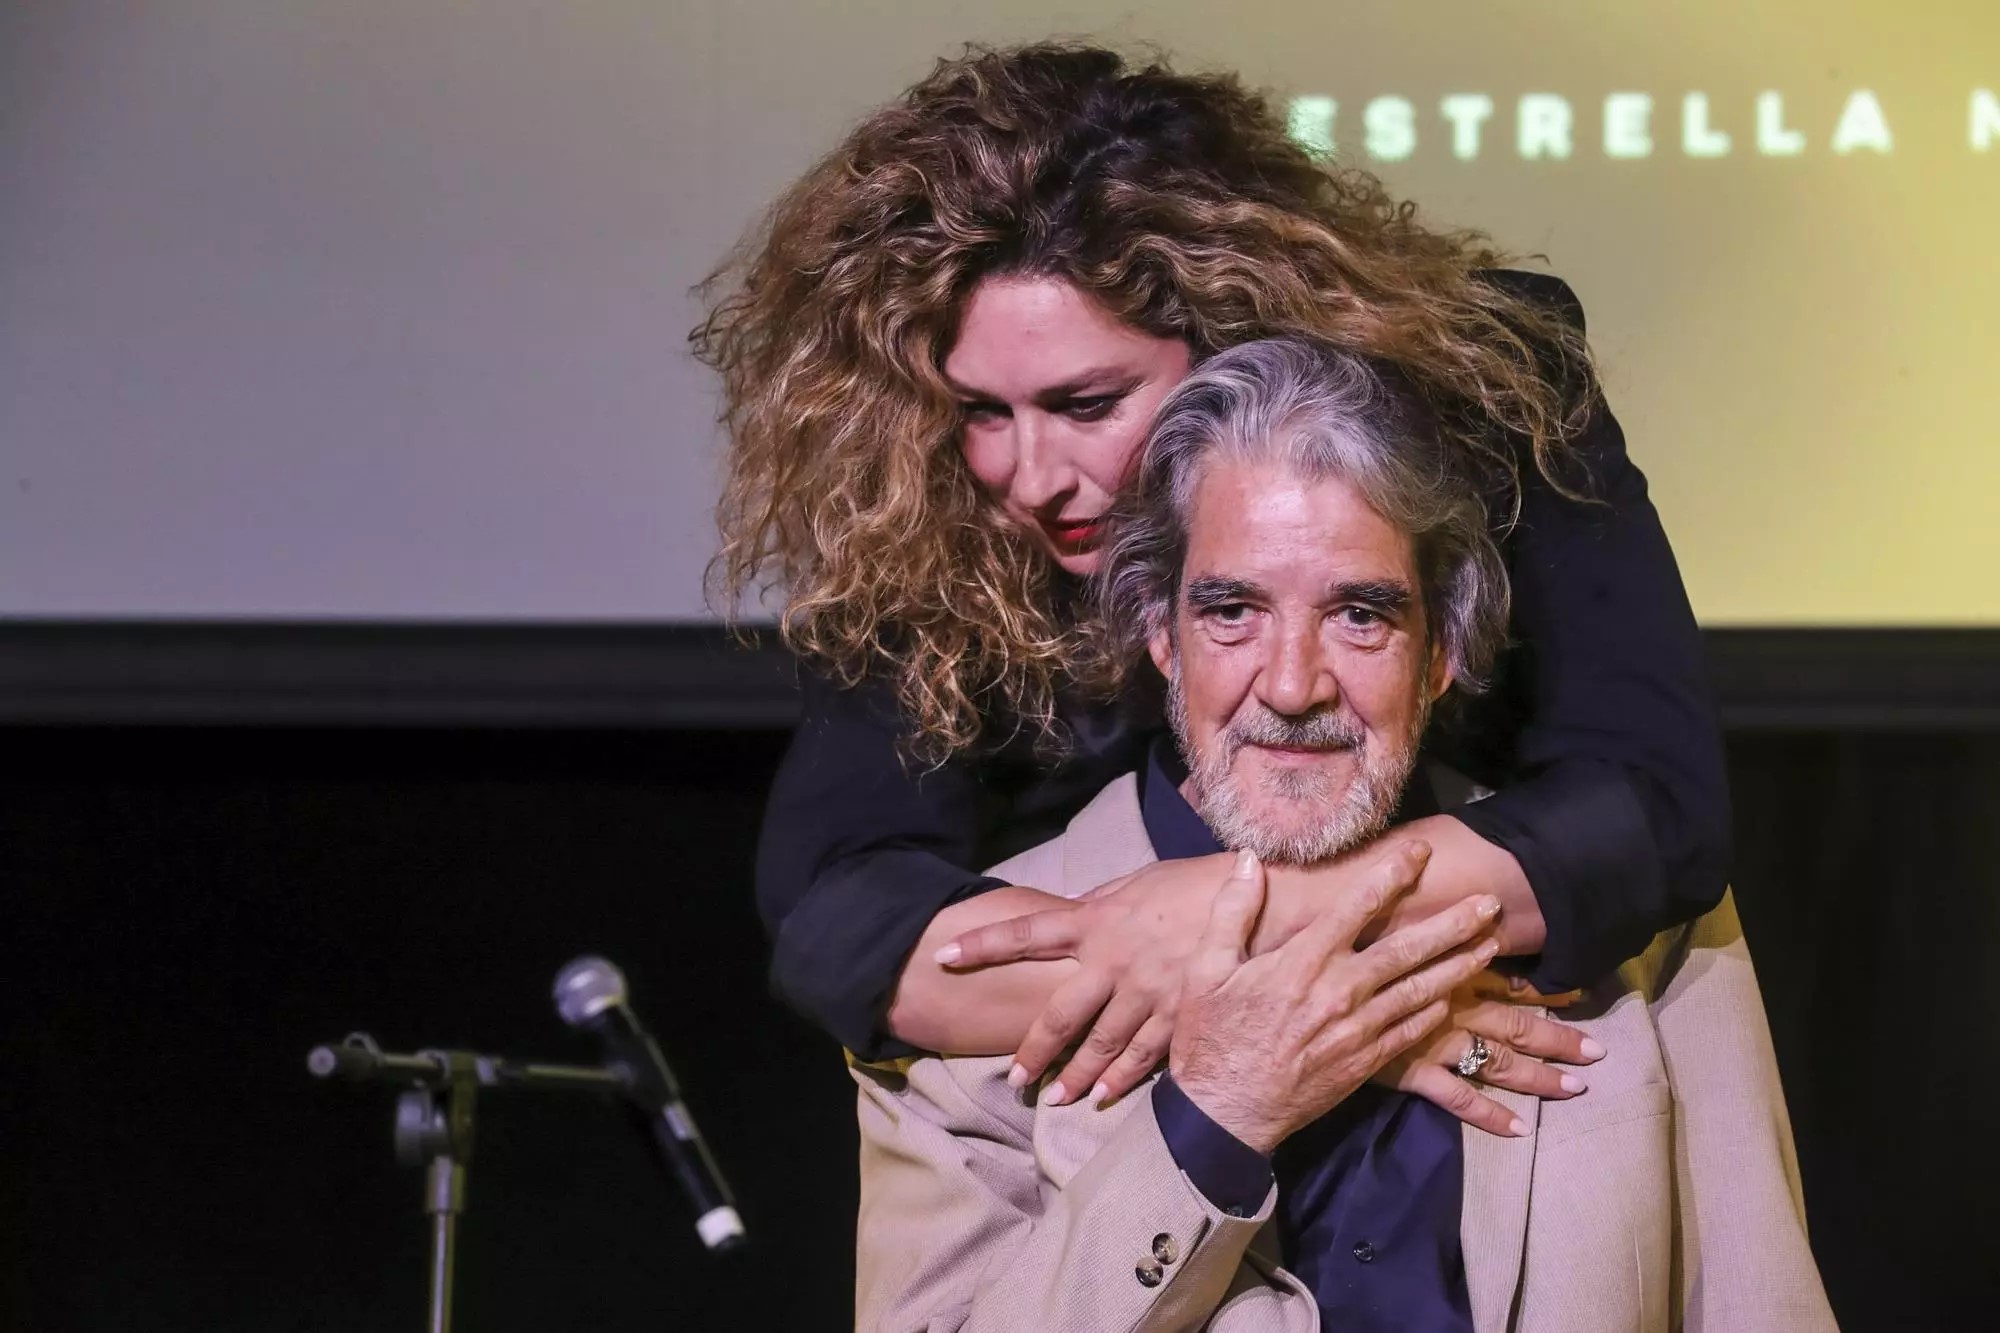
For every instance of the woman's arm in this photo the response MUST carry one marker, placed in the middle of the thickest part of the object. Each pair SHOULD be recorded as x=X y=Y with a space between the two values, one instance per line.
x=861 y=880
x=859 y=852
x=862 y=847
x=1461 y=864
x=1030 y=973
x=982 y=1012
x=1617 y=811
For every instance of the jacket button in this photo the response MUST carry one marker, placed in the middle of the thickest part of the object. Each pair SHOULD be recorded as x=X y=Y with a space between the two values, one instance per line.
x=1148 y=1273
x=1165 y=1248
x=1365 y=1252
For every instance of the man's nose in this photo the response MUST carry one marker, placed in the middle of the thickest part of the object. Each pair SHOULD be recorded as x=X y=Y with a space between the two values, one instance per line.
x=1297 y=676
x=1042 y=472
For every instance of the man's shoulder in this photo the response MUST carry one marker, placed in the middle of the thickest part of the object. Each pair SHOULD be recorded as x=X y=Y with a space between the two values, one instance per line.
x=1105 y=839
x=1040 y=867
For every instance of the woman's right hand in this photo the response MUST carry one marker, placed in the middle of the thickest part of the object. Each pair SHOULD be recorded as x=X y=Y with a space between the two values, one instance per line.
x=1131 y=939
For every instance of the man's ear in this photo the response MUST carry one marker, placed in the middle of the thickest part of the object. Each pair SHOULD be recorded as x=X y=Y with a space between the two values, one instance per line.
x=1438 y=674
x=1160 y=644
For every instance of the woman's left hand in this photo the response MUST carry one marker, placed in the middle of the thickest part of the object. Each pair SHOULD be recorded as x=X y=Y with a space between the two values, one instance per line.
x=1519 y=1042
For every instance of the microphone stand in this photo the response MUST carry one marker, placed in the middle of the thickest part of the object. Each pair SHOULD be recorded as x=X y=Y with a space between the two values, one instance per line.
x=434 y=1122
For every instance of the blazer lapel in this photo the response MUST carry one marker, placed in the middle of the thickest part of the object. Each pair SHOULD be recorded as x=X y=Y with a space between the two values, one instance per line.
x=1493 y=1221
x=1106 y=839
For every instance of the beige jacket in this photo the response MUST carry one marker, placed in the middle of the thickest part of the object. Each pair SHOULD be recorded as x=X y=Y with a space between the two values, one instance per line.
x=1665 y=1197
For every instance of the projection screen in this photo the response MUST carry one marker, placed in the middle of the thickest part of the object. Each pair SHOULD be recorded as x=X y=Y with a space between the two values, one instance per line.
x=377 y=310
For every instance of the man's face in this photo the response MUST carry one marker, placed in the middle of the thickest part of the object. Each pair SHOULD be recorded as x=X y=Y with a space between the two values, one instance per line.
x=1301 y=677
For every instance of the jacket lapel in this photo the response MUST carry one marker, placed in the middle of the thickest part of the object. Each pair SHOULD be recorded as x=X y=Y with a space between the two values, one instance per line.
x=1106 y=839
x=1493 y=1220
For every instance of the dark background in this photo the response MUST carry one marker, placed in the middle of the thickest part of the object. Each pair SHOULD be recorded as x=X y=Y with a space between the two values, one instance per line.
x=190 y=906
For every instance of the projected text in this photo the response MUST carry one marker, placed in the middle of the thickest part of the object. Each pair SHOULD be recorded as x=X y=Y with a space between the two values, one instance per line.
x=1625 y=125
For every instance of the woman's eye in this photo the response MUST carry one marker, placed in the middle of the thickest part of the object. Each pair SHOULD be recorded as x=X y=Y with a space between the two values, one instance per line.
x=1091 y=409
x=981 y=413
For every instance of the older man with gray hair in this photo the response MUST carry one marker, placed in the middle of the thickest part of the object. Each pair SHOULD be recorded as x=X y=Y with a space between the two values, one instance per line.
x=1302 y=562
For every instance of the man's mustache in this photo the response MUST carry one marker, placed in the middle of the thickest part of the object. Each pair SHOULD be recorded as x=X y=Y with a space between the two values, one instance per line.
x=1325 y=730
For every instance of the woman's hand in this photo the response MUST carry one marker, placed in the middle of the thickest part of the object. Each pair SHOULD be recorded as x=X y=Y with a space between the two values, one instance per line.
x=1131 y=938
x=1498 y=1009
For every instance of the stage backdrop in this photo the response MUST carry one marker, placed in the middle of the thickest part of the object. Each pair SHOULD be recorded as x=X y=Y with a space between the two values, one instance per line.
x=377 y=309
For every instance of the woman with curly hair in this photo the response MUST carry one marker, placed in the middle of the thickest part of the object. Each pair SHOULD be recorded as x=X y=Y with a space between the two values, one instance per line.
x=939 y=354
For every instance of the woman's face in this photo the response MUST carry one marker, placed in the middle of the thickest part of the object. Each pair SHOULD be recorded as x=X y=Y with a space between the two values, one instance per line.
x=1056 y=397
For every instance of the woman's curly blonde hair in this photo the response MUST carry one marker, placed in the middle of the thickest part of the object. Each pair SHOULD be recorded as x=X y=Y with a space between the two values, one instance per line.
x=1181 y=205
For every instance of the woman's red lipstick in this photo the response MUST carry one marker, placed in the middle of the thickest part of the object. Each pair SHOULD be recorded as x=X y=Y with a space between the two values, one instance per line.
x=1074 y=535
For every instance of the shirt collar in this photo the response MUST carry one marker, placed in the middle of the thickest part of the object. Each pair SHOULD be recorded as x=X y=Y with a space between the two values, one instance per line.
x=1172 y=825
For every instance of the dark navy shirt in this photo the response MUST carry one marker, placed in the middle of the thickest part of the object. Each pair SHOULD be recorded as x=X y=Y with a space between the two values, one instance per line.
x=1368 y=1194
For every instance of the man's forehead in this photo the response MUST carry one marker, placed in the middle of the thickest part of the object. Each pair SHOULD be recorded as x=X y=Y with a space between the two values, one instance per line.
x=1266 y=519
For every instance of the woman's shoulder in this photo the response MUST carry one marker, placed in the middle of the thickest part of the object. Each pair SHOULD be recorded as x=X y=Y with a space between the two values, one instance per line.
x=1544 y=289
x=1088 y=725
x=1594 y=441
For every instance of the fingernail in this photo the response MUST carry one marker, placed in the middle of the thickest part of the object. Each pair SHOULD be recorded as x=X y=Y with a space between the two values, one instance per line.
x=1246 y=864
x=1489 y=907
x=1515 y=985
x=1055 y=1094
x=1017 y=1077
x=1572 y=1084
x=1487 y=951
x=1519 y=1128
x=1417 y=849
x=1591 y=1050
x=1099 y=1093
x=948 y=955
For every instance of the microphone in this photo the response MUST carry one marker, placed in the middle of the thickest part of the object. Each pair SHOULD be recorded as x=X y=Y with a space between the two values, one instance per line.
x=590 y=995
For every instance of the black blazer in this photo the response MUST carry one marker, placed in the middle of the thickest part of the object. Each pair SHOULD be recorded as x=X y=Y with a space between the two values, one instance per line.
x=1600 y=736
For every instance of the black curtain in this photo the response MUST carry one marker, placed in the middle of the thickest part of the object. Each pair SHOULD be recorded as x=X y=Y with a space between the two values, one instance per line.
x=187 y=911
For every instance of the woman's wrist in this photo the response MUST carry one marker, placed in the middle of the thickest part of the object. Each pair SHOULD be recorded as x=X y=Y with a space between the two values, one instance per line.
x=1461 y=864
x=980 y=1011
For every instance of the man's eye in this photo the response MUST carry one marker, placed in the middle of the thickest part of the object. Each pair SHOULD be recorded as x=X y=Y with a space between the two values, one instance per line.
x=1229 y=613
x=1091 y=409
x=1361 y=617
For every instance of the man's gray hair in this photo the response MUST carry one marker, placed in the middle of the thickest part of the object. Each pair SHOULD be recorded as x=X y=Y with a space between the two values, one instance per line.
x=1325 y=413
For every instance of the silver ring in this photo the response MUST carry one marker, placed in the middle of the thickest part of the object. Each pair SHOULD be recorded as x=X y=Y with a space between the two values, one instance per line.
x=1475 y=1059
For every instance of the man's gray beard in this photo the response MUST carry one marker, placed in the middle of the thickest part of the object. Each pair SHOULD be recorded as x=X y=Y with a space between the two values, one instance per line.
x=1353 y=815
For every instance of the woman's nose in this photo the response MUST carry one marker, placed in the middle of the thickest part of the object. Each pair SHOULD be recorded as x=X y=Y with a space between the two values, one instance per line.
x=1041 y=470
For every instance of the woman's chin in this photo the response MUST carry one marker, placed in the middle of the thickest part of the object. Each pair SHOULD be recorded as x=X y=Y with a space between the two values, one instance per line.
x=1082 y=564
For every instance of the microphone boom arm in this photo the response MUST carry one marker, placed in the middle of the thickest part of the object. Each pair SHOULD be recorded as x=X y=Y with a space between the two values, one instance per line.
x=358 y=1059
